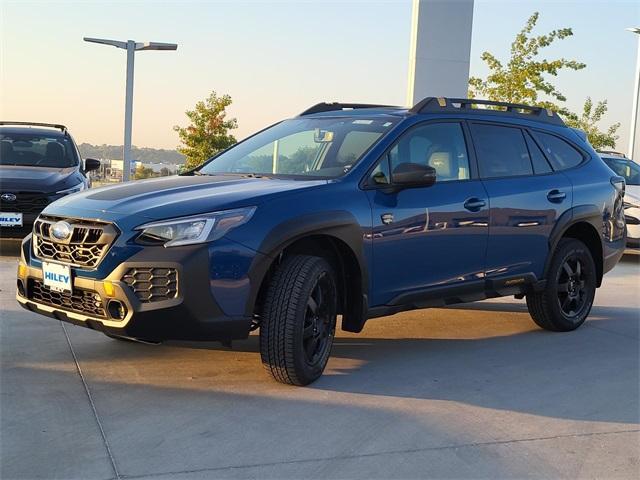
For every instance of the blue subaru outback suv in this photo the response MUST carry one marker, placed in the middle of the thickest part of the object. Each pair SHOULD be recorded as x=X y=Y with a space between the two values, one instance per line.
x=348 y=209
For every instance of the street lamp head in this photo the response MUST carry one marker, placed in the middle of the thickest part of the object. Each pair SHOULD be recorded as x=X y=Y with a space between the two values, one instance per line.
x=633 y=30
x=104 y=41
x=156 y=46
x=138 y=45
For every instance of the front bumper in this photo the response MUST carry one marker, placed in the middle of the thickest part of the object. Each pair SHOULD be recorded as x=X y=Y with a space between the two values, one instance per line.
x=193 y=314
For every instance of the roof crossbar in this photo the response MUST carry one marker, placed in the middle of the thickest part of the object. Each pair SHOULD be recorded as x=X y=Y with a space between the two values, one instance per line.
x=468 y=105
x=35 y=124
x=329 y=107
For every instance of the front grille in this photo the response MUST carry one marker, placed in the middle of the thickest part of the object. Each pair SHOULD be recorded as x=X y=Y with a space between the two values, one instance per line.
x=80 y=301
x=25 y=202
x=87 y=245
x=152 y=284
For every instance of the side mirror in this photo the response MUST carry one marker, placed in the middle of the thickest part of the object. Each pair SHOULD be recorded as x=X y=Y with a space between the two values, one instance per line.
x=91 y=164
x=408 y=175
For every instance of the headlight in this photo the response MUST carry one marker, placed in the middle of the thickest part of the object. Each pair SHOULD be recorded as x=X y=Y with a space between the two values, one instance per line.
x=76 y=188
x=197 y=229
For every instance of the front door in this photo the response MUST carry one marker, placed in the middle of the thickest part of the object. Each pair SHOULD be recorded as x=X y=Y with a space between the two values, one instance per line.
x=427 y=237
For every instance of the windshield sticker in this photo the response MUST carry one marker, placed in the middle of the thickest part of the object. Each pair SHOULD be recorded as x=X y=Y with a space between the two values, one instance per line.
x=362 y=122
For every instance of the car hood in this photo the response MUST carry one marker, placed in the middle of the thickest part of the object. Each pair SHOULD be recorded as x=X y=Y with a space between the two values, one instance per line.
x=176 y=196
x=35 y=179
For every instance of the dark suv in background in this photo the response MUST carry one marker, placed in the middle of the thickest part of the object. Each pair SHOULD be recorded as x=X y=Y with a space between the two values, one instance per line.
x=39 y=163
x=354 y=210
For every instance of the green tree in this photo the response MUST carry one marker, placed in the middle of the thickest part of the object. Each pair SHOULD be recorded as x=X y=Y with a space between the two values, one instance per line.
x=588 y=122
x=209 y=130
x=143 y=172
x=524 y=80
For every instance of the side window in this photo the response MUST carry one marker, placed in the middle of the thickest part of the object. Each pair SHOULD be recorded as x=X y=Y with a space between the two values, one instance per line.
x=540 y=164
x=560 y=153
x=381 y=174
x=439 y=145
x=501 y=151
x=355 y=143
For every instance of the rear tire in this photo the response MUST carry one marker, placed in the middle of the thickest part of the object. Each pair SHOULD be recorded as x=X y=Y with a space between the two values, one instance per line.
x=568 y=296
x=299 y=320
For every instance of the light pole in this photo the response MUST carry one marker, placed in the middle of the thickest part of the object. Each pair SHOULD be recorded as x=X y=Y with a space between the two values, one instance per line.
x=636 y=100
x=131 y=47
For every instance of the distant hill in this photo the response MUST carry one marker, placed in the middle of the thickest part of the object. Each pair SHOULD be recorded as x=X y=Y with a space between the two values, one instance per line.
x=147 y=155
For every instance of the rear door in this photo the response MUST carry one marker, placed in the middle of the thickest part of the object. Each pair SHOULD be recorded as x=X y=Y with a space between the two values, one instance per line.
x=526 y=198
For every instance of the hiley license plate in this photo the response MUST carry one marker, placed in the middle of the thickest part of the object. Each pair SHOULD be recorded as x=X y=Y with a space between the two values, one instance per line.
x=57 y=277
x=10 y=219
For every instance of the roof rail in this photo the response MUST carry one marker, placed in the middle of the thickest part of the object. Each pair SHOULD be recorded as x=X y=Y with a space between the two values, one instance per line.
x=36 y=124
x=455 y=105
x=329 y=107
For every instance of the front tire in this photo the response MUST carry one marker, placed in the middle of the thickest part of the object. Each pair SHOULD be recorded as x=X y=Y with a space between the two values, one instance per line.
x=568 y=296
x=299 y=320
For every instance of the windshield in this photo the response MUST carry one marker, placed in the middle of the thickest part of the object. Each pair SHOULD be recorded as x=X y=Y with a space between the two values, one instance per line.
x=303 y=147
x=628 y=169
x=30 y=150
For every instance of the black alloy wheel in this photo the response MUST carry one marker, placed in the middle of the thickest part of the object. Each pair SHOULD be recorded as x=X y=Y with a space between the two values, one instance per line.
x=566 y=300
x=571 y=287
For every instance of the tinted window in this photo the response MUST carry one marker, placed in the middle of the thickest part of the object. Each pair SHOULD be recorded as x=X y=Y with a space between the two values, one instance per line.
x=502 y=151
x=439 y=145
x=560 y=153
x=31 y=150
x=540 y=164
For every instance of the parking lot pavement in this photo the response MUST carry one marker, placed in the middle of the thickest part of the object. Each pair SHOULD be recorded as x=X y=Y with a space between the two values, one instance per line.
x=473 y=391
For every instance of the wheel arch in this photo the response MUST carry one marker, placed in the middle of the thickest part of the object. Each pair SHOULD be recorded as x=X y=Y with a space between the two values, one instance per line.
x=336 y=236
x=581 y=223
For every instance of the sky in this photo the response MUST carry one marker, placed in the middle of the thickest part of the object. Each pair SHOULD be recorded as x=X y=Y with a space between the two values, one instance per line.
x=275 y=58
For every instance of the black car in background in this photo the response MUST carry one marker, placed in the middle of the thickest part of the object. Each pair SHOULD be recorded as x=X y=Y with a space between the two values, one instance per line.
x=39 y=163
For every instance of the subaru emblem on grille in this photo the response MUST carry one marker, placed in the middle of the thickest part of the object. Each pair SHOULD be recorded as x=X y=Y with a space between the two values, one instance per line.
x=61 y=230
x=8 y=197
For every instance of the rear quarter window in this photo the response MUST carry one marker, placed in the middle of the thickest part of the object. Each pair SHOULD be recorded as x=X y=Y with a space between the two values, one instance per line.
x=561 y=154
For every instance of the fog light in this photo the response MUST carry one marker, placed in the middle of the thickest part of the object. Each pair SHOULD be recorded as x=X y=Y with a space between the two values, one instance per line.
x=117 y=310
x=109 y=289
x=22 y=270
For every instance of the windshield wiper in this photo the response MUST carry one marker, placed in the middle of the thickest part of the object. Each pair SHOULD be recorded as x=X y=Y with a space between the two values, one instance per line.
x=251 y=175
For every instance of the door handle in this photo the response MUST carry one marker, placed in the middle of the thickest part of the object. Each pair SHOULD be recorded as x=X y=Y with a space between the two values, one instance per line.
x=474 y=204
x=556 y=196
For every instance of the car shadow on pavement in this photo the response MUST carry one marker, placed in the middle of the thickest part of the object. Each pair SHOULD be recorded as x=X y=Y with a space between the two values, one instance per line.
x=507 y=364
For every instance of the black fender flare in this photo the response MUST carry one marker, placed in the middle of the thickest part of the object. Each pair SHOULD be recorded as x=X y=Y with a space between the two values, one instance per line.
x=339 y=224
x=590 y=214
